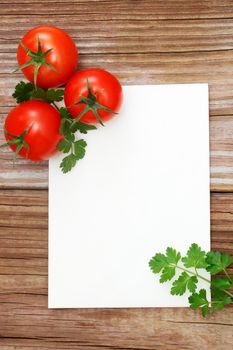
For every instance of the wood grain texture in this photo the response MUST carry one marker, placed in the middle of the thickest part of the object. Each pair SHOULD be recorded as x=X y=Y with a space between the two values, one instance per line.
x=142 y=42
x=26 y=322
x=129 y=9
x=35 y=175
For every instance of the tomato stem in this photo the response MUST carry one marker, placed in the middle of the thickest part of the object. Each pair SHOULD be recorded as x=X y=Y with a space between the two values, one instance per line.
x=37 y=59
x=91 y=104
x=54 y=104
x=19 y=141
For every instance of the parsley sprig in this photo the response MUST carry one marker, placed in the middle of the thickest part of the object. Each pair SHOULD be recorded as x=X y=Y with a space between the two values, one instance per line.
x=189 y=266
x=76 y=148
x=70 y=145
x=27 y=91
x=73 y=147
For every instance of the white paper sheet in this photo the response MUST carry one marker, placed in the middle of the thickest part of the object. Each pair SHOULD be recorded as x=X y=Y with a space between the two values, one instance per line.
x=142 y=186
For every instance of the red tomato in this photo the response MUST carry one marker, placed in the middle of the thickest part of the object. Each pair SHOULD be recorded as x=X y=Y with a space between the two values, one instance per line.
x=105 y=90
x=63 y=56
x=42 y=122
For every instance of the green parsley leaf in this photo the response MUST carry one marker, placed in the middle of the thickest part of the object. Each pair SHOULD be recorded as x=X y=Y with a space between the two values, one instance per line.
x=68 y=127
x=68 y=163
x=219 y=300
x=50 y=95
x=158 y=262
x=66 y=123
x=39 y=93
x=221 y=287
x=64 y=113
x=195 y=257
x=65 y=127
x=221 y=283
x=23 y=92
x=81 y=127
x=168 y=273
x=70 y=137
x=197 y=300
x=165 y=263
x=184 y=281
x=217 y=262
x=172 y=255
x=26 y=91
x=74 y=126
x=79 y=148
x=54 y=95
x=64 y=146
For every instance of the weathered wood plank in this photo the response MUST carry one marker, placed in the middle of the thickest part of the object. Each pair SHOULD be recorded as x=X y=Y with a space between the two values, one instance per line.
x=35 y=175
x=103 y=36
x=24 y=225
x=27 y=325
x=142 y=10
x=143 y=42
x=26 y=322
x=214 y=68
x=143 y=52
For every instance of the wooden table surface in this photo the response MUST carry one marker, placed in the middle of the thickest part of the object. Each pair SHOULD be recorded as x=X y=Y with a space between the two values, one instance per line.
x=142 y=42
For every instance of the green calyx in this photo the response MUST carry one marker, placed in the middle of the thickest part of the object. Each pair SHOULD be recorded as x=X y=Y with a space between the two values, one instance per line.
x=91 y=104
x=19 y=141
x=37 y=59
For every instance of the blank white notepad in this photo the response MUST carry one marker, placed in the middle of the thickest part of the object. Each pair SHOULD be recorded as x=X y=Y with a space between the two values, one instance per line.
x=142 y=186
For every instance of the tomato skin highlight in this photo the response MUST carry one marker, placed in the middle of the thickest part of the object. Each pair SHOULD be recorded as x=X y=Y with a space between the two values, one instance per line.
x=104 y=86
x=63 y=56
x=42 y=122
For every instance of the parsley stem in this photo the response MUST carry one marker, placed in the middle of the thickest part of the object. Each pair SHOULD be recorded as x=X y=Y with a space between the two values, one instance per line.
x=227 y=292
x=205 y=279
x=54 y=104
x=193 y=273
x=228 y=276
